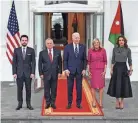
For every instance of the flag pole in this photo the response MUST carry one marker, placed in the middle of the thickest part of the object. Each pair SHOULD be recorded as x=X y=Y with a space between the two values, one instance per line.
x=14 y=79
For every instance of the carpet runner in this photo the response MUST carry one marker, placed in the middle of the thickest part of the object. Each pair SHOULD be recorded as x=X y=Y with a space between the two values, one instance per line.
x=61 y=102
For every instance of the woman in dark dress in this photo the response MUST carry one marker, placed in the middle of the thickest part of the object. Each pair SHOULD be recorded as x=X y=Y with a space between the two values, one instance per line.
x=120 y=86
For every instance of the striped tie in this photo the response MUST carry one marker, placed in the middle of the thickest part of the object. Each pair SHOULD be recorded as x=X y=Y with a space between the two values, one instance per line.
x=76 y=50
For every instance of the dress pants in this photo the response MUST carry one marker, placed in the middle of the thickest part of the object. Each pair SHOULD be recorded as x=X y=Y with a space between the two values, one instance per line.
x=70 y=84
x=20 y=84
x=50 y=90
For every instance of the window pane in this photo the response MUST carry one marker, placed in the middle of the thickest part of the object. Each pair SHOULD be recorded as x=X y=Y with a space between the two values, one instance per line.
x=98 y=27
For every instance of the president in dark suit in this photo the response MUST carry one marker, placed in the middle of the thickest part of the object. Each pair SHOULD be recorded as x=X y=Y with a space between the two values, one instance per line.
x=24 y=70
x=50 y=68
x=75 y=66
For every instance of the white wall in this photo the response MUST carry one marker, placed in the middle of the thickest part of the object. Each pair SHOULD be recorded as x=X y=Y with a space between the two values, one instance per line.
x=130 y=17
x=23 y=20
x=130 y=9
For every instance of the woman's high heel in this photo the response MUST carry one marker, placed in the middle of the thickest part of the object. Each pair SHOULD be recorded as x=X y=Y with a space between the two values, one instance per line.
x=101 y=106
x=118 y=107
x=93 y=105
x=121 y=106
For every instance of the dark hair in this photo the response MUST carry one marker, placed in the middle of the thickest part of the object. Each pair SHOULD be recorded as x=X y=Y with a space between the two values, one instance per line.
x=24 y=36
x=125 y=41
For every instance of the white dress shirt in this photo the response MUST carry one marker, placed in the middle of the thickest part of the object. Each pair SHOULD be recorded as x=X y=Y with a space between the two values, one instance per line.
x=24 y=48
x=74 y=46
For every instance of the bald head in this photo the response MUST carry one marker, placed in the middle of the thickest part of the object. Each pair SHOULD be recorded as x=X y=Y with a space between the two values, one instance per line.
x=49 y=43
x=76 y=37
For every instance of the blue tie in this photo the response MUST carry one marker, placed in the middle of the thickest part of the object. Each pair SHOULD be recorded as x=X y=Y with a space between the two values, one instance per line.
x=76 y=51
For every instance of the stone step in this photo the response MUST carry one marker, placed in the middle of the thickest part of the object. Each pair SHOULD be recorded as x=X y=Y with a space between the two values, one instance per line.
x=68 y=121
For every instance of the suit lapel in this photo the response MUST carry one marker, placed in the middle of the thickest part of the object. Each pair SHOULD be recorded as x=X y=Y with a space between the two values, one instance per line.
x=79 y=50
x=26 y=52
x=20 y=50
x=54 y=54
x=72 y=49
x=47 y=55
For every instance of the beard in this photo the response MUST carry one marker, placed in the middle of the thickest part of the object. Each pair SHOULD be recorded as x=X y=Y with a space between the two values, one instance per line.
x=24 y=45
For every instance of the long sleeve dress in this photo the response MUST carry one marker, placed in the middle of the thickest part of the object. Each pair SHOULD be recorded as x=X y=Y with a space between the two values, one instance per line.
x=120 y=85
x=97 y=60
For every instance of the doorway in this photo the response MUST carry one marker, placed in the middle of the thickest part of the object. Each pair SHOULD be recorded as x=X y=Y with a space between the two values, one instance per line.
x=60 y=26
x=89 y=25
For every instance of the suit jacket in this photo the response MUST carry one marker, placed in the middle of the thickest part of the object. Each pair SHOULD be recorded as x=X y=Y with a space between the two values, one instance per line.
x=73 y=63
x=26 y=66
x=48 y=68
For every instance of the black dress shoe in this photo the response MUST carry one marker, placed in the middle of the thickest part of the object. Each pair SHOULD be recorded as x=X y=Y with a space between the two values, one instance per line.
x=121 y=108
x=117 y=107
x=79 y=106
x=30 y=107
x=47 y=106
x=53 y=106
x=18 y=107
x=68 y=106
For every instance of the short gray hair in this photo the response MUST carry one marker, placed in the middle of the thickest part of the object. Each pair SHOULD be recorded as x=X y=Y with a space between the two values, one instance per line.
x=75 y=33
x=49 y=39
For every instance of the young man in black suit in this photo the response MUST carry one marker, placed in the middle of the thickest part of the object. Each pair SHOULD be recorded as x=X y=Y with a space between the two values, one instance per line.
x=23 y=68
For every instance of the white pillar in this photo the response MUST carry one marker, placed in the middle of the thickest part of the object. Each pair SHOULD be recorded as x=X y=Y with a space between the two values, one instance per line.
x=39 y=41
x=107 y=25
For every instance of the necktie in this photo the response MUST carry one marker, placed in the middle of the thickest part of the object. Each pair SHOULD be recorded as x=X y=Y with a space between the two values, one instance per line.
x=24 y=53
x=76 y=50
x=50 y=55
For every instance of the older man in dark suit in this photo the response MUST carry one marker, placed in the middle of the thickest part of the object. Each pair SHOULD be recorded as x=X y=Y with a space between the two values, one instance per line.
x=24 y=70
x=75 y=67
x=50 y=68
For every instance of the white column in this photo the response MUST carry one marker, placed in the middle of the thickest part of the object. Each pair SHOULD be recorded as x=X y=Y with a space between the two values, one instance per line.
x=91 y=28
x=134 y=51
x=87 y=31
x=39 y=40
x=108 y=18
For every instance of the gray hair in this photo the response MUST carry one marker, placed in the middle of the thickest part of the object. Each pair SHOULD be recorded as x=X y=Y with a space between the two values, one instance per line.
x=75 y=33
x=49 y=39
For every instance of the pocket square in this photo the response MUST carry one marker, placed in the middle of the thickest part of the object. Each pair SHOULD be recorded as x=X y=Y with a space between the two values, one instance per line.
x=28 y=54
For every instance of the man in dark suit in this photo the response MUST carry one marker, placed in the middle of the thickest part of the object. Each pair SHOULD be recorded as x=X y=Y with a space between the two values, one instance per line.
x=75 y=66
x=50 y=68
x=23 y=68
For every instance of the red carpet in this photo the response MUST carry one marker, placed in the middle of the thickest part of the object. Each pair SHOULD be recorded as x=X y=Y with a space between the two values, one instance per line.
x=61 y=102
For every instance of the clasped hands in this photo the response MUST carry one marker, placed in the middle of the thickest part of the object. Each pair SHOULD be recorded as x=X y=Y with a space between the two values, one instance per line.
x=42 y=76
x=67 y=72
x=102 y=74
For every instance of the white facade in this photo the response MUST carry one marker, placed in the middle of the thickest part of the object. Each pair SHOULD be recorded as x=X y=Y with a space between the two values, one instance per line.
x=130 y=17
x=25 y=9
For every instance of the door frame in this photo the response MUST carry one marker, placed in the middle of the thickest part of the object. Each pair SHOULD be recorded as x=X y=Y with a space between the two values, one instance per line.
x=62 y=8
